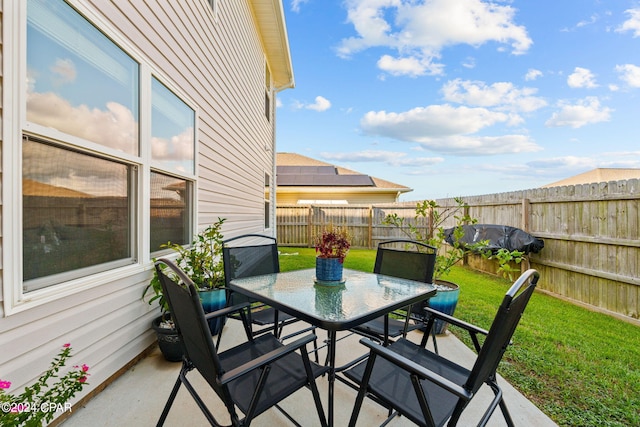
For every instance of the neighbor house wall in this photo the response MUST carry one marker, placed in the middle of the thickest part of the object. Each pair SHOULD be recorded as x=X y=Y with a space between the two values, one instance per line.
x=352 y=196
x=218 y=62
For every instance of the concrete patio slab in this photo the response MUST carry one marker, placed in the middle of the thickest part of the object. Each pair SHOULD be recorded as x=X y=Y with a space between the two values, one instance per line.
x=138 y=397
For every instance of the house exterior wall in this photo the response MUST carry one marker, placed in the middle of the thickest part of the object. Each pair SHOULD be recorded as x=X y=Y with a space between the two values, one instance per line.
x=219 y=63
x=291 y=197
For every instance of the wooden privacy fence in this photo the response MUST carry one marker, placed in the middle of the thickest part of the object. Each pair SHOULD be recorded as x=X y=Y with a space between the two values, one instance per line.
x=592 y=243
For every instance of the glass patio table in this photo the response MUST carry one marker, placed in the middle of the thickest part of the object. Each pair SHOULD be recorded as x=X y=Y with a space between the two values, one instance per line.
x=363 y=297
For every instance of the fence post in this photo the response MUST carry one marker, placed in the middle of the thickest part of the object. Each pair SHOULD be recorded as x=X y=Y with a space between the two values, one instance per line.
x=310 y=227
x=370 y=238
x=526 y=211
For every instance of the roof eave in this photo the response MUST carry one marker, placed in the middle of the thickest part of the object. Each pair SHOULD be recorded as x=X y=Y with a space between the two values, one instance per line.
x=269 y=15
x=333 y=190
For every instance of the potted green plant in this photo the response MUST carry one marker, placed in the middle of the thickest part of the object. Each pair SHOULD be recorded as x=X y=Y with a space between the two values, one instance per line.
x=449 y=254
x=332 y=245
x=434 y=234
x=202 y=262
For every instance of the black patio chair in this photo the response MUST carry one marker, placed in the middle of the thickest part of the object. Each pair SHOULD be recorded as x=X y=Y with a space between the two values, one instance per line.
x=252 y=377
x=407 y=259
x=258 y=257
x=429 y=389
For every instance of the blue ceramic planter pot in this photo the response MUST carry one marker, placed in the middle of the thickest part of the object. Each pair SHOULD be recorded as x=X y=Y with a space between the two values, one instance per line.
x=213 y=300
x=328 y=269
x=445 y=301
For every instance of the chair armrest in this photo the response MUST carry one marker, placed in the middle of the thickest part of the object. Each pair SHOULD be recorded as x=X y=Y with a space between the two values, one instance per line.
x=226 y=310
x=265 y=359
x=452 y=320
x=414 y=368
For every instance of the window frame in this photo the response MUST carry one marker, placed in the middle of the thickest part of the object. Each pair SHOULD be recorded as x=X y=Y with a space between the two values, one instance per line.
x=268 y=93
x=15 y=125
x=268 y=187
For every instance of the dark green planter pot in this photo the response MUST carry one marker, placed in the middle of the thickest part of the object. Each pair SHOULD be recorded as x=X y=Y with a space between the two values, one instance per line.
x=445 y=301
x=168 y=341
x=328 y=269
x=213 y=300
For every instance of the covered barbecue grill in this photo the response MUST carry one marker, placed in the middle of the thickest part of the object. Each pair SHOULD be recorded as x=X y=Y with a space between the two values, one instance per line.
x=498 y=237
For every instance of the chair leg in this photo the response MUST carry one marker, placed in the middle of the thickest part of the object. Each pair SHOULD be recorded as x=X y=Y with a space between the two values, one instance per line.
x=430 y=330
x=172 y=397
x=363 y=390
x=313 y=386
x=503 y=406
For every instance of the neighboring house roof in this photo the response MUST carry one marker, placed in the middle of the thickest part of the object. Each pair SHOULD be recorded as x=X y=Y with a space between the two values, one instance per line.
x=273 y=31
x=295 y=170
x=598 y=175
x=35 y=188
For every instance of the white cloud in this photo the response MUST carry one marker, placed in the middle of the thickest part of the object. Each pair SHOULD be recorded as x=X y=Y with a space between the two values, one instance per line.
x=391 y=158
x=592 y=20
x=446 y=129
x=114 y=127
x=295 y=5
x=630 y=74
x=411 y=66
x=502 y=95
x=532 y=74
x=618 y=159
x=463 y=145
x=432 y=121
x=63 y=71
x=566 y=162
x=581 y=78
x=419 y=31
x=321 y=104
x=632 y=24
x=585 y=111
x=469 y=62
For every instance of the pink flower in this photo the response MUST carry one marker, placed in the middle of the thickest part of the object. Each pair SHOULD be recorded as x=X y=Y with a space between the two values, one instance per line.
x=82 y=379
x=5 y=384
x=67 y=345
x=85 y=368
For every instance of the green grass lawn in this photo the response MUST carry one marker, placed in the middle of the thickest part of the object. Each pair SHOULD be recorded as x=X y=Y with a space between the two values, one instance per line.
x=580 y=367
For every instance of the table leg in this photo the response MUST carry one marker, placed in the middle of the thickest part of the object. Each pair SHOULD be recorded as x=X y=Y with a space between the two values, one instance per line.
x=332 y=372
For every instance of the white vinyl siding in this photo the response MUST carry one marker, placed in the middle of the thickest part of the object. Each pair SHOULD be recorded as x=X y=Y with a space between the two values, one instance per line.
x=217 y=63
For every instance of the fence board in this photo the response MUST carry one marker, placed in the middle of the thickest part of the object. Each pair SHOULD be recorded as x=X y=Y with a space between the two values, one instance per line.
x=592 y=242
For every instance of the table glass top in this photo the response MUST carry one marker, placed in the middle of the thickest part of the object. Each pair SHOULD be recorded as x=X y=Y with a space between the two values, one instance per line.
x=362 y=293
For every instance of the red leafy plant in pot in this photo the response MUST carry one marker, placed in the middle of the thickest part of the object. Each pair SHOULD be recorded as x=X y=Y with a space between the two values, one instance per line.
x=333 y=242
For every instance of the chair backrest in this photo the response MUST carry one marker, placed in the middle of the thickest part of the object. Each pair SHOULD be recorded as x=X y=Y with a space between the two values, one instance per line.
x=502 y=329
x=258 y=257
x=407 y=259
x=187 y=314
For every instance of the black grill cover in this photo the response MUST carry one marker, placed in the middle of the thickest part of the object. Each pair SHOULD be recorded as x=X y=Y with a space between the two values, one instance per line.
x=499 y=237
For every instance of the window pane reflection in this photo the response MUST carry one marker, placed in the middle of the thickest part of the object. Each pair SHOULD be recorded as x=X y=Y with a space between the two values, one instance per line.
x=172 y=130
x=169 y=213
x=76 y=211
x=79 y=81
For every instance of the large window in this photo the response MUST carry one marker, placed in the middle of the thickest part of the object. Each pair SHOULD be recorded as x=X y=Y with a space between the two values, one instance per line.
x=78 y=81
x=83 y=157
x=172 y=137
x=76 y=212
x=267 y=200
x=170 y=202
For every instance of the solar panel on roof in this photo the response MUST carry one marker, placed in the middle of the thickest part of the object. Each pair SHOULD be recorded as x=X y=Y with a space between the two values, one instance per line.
x=325 y=180
x=306 y=170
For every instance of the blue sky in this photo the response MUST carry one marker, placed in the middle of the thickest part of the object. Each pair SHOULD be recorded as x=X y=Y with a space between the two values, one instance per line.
x=464 y=97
